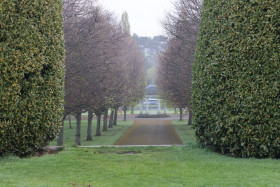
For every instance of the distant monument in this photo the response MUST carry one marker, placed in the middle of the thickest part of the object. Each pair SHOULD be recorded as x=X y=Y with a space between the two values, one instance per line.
x=151 y=98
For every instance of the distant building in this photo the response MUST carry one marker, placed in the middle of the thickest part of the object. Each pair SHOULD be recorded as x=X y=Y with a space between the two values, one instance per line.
x=154 y=101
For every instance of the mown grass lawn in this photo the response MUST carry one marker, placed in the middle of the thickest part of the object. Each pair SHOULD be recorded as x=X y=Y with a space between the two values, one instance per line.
x=185 y=131
x=189 y=165
x=106 y=138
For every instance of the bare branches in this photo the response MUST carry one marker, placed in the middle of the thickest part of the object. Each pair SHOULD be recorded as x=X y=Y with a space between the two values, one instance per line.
x=101 y=60
x=184 y=22
x=175 y=63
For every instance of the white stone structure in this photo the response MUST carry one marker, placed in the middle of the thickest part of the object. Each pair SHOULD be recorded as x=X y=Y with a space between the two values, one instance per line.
x=147 y=106
x=141 y=107
x=159 y=108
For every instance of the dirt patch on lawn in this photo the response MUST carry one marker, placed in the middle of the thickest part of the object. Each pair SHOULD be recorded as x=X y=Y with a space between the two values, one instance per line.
x=150 y=132
x=48 y=150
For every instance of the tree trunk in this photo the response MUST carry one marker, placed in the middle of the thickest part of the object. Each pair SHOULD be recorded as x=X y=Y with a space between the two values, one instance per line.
x=111 y=119
x=124 y=113
x=60 y=136
x=190 y=117
x=181 y=114
x=89 y=129
x=98 y=116
x=175 y=111
x=115 y=116
x=132 y=109
x=105 y=128
x=70 y=125
x=78 y=129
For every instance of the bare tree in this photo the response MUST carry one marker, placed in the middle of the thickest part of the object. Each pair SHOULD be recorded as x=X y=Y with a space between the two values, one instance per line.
x=83 y=23
x=175 y=63
x=174 y=75
x=98 y=64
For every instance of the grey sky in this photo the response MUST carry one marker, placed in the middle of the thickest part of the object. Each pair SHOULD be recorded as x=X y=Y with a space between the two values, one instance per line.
x=144 y=15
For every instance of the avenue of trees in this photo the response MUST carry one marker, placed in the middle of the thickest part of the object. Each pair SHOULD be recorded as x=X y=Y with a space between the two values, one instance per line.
x=31 y=75
x=236 y=78
x=222 y=64
x=104 y=67
x=175 y=62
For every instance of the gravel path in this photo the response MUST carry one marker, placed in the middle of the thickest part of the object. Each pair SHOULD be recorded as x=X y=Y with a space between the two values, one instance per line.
x=150 y=132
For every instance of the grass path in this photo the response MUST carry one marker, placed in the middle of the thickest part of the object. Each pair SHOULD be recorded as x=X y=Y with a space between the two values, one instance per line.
x=150 y=132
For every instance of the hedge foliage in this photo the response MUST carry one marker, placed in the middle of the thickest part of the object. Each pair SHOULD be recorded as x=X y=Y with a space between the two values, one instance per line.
x=236 y=79
x=31 y=74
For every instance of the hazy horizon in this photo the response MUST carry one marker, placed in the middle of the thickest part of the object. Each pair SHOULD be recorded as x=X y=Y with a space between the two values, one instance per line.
x=144 y=15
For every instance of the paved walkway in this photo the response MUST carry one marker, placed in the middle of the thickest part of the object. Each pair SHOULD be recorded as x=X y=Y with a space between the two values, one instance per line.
x=150 y=132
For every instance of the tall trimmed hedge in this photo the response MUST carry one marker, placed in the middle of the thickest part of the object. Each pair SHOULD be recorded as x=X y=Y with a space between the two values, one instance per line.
x=31 y=74
x=236 y=78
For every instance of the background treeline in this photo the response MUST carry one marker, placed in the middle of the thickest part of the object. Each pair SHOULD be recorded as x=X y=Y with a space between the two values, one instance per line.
x=151 y=47
x=174 y=75
x=104 y=67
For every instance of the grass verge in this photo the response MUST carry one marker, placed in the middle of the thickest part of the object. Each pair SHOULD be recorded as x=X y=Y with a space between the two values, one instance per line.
x=185 y=131
x=140 y=166
x=107 y=137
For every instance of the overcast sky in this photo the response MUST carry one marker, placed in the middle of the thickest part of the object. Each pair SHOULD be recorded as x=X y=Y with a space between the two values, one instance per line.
x=144 y=15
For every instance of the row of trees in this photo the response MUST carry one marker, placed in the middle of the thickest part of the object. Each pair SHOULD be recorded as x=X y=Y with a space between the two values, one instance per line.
x=175 y=63
x=104 y=67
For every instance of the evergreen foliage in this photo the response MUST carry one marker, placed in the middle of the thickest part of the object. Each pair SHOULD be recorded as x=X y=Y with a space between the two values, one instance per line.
x=236 y=79
x=31 y=74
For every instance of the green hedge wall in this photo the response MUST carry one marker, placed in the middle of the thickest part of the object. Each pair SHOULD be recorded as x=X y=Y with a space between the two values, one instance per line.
x=236 y=78
x=31 y=74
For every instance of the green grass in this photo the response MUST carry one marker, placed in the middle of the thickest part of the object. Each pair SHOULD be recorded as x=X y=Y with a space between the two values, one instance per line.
x=185 y=131
x=148 y=166
x=189 y=165
x=106 y=138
